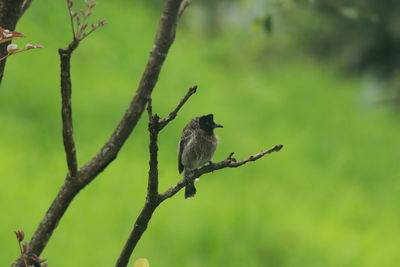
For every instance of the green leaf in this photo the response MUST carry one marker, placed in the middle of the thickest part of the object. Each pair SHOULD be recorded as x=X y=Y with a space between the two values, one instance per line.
x=143 y=262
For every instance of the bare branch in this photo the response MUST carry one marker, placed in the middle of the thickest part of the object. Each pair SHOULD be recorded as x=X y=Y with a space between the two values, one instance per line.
x=25 y=5
x=164 y=39
x=152 y=202
x=71 y=187
x=184 y=5
x=154 y=128
x=172 y=115
x=227 y=163
x=149 y=109
x=71 y=18
x=66 y=109
x=139 y=228
x=152 y=199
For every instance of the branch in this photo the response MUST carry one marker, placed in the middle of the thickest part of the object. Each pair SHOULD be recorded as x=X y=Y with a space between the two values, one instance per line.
x=184 y=5
x=139 y=228
x=153 y=198
x=71 y=187
x=172 y=115
x=25 y=5
x=164 y=39
x=152 y=202
x=229 y=162
x=152 y=189
x=66 y=109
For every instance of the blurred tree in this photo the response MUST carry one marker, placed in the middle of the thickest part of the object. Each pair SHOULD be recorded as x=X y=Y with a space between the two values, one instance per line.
x=369 y=29
x=363 y=36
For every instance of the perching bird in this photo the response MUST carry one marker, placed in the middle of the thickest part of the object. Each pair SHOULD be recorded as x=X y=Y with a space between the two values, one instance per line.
x=196 y=147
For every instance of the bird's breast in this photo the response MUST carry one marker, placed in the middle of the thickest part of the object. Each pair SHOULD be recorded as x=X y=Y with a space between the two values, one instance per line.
x=198 y=151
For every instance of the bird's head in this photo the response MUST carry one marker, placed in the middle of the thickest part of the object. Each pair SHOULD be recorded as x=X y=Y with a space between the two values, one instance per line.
x=207 y=123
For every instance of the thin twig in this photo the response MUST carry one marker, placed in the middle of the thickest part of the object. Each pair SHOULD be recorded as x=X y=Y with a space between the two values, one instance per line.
x=149 y=109
x=184 y=5
x=25 y=5
x=71 y=187
x=71 y=19
x=22 y=253
x=172 y=115
x=152 y=198
x=66 y=109
x=164 y=39
x=154 y=128
x=152 y=192
x=227 y=163
x=10 y=54
x=139 y=228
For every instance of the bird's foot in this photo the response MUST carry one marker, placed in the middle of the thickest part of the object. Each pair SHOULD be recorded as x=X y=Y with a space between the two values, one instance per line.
x=210 y=163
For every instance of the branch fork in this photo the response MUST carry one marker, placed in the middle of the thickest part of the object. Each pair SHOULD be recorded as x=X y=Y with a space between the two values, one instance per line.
x=153 y=197
x=77 y=179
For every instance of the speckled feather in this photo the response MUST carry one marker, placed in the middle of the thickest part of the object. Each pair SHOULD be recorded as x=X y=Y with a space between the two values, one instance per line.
x=196 y=146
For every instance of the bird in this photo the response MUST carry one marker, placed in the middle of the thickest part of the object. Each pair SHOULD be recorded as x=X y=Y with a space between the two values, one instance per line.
x=196 y=147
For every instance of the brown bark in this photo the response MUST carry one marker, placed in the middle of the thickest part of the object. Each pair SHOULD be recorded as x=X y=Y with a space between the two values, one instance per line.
x=10 y=12
x=72 y=185
x=66 y=109
x=153 y=198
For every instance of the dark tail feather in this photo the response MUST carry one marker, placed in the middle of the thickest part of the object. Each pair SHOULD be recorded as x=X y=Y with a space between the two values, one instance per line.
x=190 y=190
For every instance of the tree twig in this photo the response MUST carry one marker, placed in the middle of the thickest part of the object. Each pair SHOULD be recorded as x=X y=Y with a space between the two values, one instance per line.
x=66 y=109
x=151 y=203
x=152 y=198
x=164 y=39
x=149 y=109
x=172 y=115
x=25 y=5
x=139 y=228
x=154 y=128
x=184 y=5
x=71 y=187
x=229 y=162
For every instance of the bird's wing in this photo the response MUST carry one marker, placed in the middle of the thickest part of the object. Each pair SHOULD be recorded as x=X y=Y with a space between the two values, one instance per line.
x=186 y=135
x=180 y=165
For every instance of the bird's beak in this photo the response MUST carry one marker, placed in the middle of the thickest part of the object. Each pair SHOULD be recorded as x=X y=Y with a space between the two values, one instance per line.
x=218 y=126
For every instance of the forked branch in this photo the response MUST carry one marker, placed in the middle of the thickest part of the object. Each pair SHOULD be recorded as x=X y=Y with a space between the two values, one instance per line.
x=83 y=176
x=156 y=124
x=153 y=198
x=229 y=162
x=172 y=114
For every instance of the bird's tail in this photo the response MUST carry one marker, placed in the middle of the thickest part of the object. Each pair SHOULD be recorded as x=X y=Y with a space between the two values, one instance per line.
x=190 y=190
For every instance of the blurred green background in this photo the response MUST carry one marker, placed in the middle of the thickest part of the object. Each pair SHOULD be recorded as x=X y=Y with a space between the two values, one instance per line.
x=273 y=72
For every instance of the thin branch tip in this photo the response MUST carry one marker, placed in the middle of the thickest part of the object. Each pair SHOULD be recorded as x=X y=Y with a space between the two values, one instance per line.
x=230 y=156
x=229 y=162
x=172 y=115
x=183 y=6
x=193 y=89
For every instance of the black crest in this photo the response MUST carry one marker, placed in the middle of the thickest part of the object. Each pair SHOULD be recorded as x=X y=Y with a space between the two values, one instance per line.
x=207 y=123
